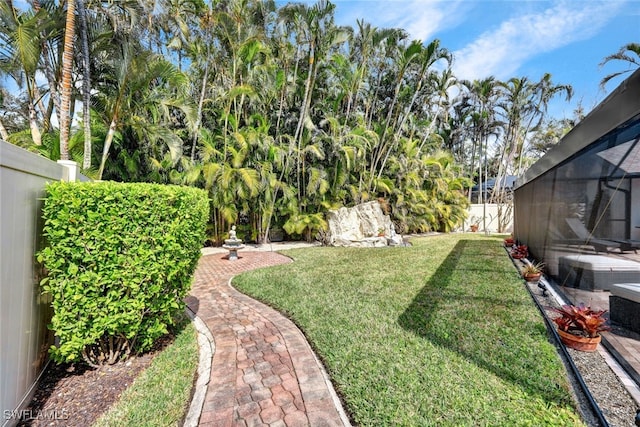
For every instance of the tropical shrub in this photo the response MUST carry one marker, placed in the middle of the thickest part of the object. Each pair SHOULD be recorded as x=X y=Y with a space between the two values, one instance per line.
x=305 y=224
x=581 y=320
x=120 y=258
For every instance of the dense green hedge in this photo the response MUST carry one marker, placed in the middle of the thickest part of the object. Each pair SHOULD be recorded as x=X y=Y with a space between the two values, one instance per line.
x=120 y=258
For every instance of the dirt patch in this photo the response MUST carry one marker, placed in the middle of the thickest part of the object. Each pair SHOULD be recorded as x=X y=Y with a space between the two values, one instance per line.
x=76 y=395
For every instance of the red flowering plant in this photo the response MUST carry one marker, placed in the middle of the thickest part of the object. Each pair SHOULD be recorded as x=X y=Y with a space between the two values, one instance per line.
x=581 y=320
x=509 y=241
x=519 y=251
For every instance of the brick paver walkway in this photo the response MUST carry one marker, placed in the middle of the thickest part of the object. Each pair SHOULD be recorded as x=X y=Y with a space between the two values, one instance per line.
x=263 y=371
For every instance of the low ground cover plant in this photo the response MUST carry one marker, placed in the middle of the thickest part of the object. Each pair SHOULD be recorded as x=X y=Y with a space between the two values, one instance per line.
x=440 y=333
x=120 y=259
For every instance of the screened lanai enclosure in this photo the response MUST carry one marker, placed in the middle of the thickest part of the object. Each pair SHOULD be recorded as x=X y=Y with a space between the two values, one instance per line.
x=578 y=207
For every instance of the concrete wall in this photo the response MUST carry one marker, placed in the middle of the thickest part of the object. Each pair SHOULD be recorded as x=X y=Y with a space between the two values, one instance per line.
x=24 y=312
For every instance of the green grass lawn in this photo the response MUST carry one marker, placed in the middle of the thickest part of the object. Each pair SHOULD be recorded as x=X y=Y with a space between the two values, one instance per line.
x=440 y=333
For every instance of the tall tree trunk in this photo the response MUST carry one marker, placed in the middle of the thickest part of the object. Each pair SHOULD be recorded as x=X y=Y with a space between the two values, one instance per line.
x=54 y=95
x=46 y=125
x=203 y=93
x=398 y=128
x=107 y=145
x=283 y=94
x=67 y=68
x=50 y=74
x=430 y=128
x=303 y=114
x=3 y=132
x=36 y=135
x=380 y=150
x=33 y=125
x=86 y=84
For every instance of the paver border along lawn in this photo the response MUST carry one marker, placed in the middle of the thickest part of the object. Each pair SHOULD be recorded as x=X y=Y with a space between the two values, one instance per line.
x=440 y=333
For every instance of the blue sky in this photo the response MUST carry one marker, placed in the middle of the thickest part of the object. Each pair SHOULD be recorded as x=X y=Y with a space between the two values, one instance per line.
x=516 y=38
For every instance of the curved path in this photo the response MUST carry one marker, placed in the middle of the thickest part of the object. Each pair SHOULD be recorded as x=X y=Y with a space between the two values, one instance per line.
x=263 y=371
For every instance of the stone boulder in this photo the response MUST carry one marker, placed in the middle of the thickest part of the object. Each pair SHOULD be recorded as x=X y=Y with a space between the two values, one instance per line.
x=364 y=225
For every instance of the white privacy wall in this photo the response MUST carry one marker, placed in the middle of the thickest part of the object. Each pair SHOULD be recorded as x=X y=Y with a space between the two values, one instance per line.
x=490 y=213
x=24 y=313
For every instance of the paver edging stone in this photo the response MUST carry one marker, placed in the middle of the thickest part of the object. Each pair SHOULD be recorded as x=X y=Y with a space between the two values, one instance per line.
x=207 y=348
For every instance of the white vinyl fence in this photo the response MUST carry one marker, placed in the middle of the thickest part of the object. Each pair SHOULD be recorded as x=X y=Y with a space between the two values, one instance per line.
x=492 y=218
x=24 y=312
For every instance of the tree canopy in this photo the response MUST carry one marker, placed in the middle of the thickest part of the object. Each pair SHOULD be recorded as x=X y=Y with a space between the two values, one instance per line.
x=277 y=111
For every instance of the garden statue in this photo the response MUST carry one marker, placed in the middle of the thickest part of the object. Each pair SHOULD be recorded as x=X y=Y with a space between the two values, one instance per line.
x=233 y=244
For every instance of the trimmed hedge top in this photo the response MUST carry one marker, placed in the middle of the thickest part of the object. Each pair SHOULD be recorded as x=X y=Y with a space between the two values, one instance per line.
x=120 y=259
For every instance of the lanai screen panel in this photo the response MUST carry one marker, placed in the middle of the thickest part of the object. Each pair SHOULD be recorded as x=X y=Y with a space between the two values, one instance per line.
x=586 y=201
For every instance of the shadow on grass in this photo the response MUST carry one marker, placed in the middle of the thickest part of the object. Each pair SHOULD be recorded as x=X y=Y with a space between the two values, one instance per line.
x=467 y=321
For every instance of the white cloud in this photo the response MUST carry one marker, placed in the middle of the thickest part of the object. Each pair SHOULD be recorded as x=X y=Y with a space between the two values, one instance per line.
x=502 y=51
x=422 y=19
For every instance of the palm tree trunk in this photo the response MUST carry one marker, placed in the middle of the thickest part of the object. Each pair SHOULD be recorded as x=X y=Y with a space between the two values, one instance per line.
x=303 y=114
x=430 y=128
x=33 y=125
x=472 y=167
x=203 y=92
x=383 y=147
x=67 y=65
x=49 y=72
x=3 y=132
x=46 y=120
x=283 y=94
x=86 y=84
x=404 y=118
x=371 y=109
x=107 y=145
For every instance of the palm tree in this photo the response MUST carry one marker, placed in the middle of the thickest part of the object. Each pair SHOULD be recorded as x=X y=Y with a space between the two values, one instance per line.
x=405 y=57
x=175 y=22
x=629 y=53
x=51 y=39
x=20 y=50
x=382 y=69
x=519 y=109
x=440 y=85
x=144 y=93
x=365 y=44
x=86 y=83
x=67 y=68
x=201 y=50
x=483 y=96
x=317 y=34
x=545 y=90
x=428 y=56
x=524 y=105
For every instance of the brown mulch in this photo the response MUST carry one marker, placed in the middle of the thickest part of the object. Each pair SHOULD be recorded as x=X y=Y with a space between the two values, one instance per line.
x=76 y=395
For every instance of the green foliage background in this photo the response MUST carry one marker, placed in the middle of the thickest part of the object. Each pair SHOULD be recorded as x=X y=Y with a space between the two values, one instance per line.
x=274 y=108
x=120 y=258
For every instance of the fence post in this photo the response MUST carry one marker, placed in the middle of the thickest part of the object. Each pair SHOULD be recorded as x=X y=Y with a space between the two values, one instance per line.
x=71 y=170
